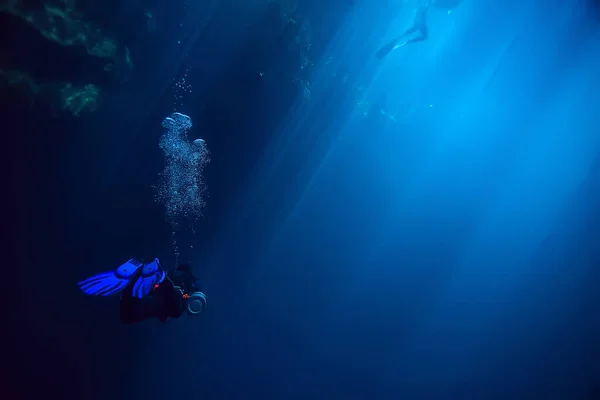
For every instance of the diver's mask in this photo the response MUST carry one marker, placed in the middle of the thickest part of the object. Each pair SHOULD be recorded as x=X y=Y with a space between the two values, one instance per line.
x=195 y=303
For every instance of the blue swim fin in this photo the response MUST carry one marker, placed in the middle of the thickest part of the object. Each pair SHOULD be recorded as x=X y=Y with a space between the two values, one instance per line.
x=151 y=274
x=112 y=282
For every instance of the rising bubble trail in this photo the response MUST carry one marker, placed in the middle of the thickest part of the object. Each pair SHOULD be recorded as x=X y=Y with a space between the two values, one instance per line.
x=181 y=187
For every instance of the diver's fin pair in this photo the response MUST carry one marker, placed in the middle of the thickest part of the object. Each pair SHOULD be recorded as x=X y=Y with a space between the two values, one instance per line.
x=108 y=283
x=385 y=50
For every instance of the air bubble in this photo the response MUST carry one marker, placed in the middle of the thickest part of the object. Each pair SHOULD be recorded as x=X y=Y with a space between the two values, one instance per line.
x=181 y=188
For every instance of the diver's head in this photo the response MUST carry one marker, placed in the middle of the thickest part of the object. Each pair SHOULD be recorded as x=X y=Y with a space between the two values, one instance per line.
x=186 y=267
x=195 y=303
x=183 y=277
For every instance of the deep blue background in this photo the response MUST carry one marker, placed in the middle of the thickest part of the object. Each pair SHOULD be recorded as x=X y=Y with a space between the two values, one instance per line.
x=451 y=252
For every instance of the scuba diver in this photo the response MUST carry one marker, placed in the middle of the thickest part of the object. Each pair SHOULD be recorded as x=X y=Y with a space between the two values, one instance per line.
x=419 y=31
x=147 y=291
x=419 y=28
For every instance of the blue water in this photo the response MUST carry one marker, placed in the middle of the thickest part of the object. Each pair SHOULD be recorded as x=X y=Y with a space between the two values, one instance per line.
x=424 y=226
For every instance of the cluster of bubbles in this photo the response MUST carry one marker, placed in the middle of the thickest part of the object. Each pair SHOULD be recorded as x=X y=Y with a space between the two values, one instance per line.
x=181 y=187
x=181 y=88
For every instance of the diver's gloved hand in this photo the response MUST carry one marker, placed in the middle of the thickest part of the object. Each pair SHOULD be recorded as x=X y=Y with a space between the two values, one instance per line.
x=142 y=276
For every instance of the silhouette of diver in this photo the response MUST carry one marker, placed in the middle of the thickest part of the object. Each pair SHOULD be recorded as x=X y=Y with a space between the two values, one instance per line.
x=147 y=291
x=419 y=27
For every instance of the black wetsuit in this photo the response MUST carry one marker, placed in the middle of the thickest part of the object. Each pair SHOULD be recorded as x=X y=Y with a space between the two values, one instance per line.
x=164 y=301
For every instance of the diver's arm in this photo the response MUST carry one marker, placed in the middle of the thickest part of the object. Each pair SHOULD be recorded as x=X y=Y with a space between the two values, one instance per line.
x=168 y=284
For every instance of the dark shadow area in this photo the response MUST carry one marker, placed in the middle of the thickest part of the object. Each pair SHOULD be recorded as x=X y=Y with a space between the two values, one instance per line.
x=24 y=48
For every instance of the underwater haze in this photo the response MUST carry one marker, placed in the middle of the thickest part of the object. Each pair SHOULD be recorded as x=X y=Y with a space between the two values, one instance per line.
x=419 y=225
